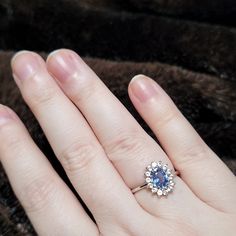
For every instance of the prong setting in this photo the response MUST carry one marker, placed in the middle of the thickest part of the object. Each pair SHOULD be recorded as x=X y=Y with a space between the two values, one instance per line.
x=154 y=190
x=148 y=180
x=159 y=179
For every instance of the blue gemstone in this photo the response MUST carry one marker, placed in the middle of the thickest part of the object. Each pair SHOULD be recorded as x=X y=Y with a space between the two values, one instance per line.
x=159 y=178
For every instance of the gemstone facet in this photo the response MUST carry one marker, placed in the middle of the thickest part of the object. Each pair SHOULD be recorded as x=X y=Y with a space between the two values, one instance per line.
x=159 y=178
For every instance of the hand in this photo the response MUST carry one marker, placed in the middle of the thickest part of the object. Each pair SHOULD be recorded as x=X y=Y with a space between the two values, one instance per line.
x=104 y=152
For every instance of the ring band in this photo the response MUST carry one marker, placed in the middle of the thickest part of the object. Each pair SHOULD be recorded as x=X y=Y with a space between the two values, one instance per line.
x=158 y=178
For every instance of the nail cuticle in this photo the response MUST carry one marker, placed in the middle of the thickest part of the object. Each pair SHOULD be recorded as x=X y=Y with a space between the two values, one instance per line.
x=144 y=89
x=25 y=66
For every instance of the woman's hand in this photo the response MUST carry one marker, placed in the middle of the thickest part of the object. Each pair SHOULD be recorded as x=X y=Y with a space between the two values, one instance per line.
x=104 y=152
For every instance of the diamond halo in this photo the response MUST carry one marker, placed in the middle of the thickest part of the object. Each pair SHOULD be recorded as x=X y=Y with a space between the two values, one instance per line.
x=159 y=178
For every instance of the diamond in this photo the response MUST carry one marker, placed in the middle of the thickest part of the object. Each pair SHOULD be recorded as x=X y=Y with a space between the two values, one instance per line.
x=165 y=192
x=159 y=192
x=159 y=164
x=154 y=164
x=149 y=167
x=148 y=180
x=164 y=167
x=154 y=190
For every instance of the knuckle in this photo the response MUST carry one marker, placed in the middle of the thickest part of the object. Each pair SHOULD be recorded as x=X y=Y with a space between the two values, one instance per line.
x=182 y=228
x=78 y=157
x=193 y=155
x=166 y=116
x=5 y=110
x=38 y=194
x=10 y=140
x=86 y=88
x=39 y=93
x=125 y=144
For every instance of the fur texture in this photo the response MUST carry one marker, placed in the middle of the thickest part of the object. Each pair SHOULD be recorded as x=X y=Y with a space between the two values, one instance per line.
x=220 y=11
x=194 y=62
x=41 y=25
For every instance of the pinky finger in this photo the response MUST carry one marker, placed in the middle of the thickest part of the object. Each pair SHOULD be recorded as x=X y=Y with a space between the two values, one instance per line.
x=49 y=203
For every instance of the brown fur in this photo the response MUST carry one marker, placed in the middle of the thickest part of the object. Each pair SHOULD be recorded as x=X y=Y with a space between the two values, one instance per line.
x=117 y=35
x=194 y=62
x=208 y=102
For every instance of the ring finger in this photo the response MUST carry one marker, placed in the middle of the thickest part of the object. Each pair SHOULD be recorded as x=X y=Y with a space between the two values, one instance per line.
x=127 y=145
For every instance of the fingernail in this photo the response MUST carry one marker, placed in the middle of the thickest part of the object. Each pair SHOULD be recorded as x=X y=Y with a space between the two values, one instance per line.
x=24 y=65
x=143 y=88
x=4 y=115
x=63 y=64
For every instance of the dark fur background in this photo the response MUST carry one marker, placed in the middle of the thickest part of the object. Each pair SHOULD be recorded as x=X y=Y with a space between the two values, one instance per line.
x=186 y=46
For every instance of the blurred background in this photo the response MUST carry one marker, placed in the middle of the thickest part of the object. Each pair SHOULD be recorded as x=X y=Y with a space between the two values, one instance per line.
x=187 y=46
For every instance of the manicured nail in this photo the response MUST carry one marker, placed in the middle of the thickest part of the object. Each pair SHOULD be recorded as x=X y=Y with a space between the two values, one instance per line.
x=143 y=88
x=4 y=115
x=63 y=64
x=24 y=65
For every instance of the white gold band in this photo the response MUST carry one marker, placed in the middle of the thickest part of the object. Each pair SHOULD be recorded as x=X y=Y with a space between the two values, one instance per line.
x=145 y=185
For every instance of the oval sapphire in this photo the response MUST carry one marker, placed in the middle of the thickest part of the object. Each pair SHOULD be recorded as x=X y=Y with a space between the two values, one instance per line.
x=159 y=178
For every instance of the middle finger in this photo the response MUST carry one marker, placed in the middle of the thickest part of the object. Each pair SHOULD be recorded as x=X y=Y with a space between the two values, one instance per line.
x=74 y=143
x=127 y=145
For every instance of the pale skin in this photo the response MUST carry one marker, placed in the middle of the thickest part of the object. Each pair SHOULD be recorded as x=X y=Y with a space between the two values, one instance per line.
x=104 y=152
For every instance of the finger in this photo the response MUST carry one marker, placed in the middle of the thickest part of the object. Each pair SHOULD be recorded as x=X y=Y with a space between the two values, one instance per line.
x=74 y=143
x=200 y=168
x=127 y=145
x=118 y=132
x=42 y=193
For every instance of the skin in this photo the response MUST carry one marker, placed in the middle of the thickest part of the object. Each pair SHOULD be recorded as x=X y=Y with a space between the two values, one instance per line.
x=104 y=152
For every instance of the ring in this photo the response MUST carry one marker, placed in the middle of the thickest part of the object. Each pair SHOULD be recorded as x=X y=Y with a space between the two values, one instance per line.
x=159 y=179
